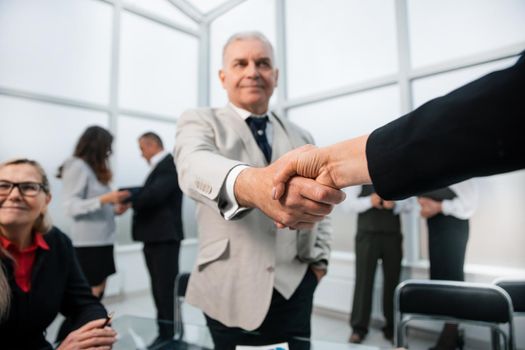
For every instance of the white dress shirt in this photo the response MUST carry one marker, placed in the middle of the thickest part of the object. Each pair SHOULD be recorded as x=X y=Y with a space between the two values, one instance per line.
x=354 y=203
x=466 y=202
x=156 y=160
x=227 y=194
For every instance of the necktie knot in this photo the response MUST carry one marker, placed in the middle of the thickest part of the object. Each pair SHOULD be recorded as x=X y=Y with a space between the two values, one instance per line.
x=258 y=128
x=258 y=124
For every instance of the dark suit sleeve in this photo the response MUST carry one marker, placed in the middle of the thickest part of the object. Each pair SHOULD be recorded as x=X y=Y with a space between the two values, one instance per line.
x=476 y=130
x=163 y=186
x=78 y=303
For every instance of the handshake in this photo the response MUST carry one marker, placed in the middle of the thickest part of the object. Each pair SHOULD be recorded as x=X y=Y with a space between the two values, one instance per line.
x=302 y=187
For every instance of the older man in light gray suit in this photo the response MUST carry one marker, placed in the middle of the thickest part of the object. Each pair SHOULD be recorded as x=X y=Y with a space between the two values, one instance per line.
x=249 y=275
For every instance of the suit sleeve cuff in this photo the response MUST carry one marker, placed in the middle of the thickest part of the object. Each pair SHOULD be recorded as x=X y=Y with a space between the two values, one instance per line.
x=229 y=207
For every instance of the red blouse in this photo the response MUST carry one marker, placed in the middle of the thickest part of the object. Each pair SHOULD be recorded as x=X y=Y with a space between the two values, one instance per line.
x=24 y=258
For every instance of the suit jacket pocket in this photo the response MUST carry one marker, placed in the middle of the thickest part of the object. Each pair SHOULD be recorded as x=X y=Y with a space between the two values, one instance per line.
x=212 y=252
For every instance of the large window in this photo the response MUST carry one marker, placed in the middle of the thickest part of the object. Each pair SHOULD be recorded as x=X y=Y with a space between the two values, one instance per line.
x=56 y=47
x=337 y=43
x=158 y=70
x=347 y=66
x=129 y=66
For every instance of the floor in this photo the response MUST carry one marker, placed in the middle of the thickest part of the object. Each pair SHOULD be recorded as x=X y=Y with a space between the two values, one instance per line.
x=325 y=326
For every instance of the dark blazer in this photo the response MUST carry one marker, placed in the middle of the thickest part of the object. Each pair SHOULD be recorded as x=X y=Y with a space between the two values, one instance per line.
x=157 y=208
x=476 y=130
x=57 y=285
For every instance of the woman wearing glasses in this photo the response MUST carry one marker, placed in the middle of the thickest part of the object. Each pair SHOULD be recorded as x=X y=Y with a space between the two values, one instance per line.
x=39 y=273
x=90 y=202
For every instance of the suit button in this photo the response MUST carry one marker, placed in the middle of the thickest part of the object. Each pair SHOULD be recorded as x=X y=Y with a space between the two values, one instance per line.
x=270 y=269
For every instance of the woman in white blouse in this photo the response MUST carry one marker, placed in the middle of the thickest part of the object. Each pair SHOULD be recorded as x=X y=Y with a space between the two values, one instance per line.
x=90 y=202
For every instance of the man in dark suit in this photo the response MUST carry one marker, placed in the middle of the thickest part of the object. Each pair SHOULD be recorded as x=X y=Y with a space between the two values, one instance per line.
x=157 y=221
x=475 y=130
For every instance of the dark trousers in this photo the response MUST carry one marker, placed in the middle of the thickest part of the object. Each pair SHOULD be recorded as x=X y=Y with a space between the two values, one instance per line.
x=162 y=260
x=447 y=244
x=369 y=248
x=286 y=319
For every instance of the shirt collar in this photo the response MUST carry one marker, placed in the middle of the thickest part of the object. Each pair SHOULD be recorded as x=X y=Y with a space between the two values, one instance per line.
x=244 y=114
x=38 y=242
x=157 y=158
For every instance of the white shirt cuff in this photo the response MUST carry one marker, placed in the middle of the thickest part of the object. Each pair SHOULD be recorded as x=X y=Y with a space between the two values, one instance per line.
x=231 y=208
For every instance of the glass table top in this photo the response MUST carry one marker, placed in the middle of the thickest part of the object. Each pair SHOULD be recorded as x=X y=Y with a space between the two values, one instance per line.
x=136 y=332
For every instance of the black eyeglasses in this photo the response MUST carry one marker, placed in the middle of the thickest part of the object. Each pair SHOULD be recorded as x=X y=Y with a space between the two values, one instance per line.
x=29 y=189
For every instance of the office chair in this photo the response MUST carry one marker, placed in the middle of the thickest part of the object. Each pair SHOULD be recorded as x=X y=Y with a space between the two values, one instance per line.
x=516 y=290
x=181 y=283
x=460 y=302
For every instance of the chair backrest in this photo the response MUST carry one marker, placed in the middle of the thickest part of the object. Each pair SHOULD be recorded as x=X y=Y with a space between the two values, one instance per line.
x=482 y=304
x=516 y=290
x=181 y=284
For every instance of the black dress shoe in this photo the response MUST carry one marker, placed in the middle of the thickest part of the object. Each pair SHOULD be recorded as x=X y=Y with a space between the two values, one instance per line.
x=356 y=338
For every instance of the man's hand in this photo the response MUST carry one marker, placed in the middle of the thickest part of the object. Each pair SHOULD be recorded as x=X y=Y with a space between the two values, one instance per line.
x=90 y=336
x=377 y=202
x=429 y=207
x=388 y=204
x=306 y=161
x=120 y=208
x=303 y=203
x=341 y=165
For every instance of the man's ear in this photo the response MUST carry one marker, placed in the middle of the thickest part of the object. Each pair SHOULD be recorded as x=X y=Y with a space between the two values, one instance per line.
x=276 y=76
x=222 y=77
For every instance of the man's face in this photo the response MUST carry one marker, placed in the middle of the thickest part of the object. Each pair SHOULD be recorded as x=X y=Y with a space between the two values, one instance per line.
x=248 y=75
x=148 y=148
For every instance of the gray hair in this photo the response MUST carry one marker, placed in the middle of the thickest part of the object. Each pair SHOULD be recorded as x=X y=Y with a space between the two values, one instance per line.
x=150 y=135
x=249 y=35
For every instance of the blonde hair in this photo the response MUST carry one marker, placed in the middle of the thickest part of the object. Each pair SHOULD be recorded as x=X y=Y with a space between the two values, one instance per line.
x=42 y=224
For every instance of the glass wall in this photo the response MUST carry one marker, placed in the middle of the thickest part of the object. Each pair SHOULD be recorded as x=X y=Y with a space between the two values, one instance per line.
x=359 y=65
x=347 y=66
x=129 y=66
x=342 y=42
x=56 y=47
x=158 y=68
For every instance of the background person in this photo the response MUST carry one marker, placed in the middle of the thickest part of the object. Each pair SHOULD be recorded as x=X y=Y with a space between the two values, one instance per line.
x=90 y=202
x=378 y=237
x=447 y=212
x=157 y=221
x=39 y=272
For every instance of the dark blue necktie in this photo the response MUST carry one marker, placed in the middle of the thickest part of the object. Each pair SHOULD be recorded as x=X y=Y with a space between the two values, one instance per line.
x=258 y=128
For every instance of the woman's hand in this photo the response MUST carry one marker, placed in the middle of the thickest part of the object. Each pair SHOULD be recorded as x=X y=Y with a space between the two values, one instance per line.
x=90 y=336
x=114 y=197
x=429 y=207
x=120 y=208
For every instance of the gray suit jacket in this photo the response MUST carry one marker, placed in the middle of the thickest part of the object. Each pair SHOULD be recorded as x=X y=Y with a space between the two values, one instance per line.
x=235 y=271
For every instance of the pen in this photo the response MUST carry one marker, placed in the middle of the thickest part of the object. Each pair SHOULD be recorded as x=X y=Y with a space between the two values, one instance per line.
x=108 y=319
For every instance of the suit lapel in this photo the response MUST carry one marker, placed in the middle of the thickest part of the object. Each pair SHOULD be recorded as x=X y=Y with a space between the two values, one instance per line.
x=282 y=141
x=239 y=126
